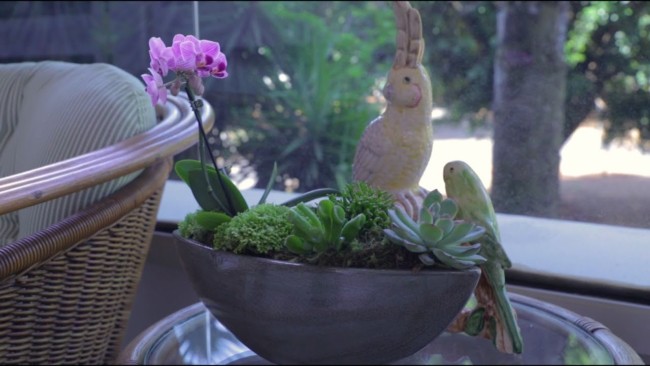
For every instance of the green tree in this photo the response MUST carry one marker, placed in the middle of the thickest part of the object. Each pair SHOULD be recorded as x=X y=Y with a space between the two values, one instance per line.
x=608 y=50
x=530 y=78
x=313 y=97
x=460 y=38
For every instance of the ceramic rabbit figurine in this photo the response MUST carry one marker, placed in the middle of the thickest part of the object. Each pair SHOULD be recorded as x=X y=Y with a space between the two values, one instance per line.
x=395 y=148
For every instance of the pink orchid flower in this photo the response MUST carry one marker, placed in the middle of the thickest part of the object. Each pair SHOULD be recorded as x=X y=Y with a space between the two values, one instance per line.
x=185 y=51
x=161 y=56
x=219 y=67
x=192 y=59
x=209 y=51
x=202 y=56
x=155 y=87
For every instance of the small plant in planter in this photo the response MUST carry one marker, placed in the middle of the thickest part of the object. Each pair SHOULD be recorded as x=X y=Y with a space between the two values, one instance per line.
x=329 y=276
x=279 y=276
x=322 y=282
x=437 y=235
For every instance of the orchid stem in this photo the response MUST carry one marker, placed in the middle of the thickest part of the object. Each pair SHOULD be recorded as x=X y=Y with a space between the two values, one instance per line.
x=195 y=104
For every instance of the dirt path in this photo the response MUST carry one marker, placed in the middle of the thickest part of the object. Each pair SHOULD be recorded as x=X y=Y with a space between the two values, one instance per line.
x=615 y=199
x=608 y=186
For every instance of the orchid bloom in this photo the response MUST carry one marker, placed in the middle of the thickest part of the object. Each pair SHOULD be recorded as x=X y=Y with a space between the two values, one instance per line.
x=185 y=51
x=191 y=58
x=206 y=59
x=219 y=70
x=161 y=56
x=155 y=87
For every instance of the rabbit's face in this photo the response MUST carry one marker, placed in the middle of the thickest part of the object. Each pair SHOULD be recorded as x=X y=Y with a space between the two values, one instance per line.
x=405 y=87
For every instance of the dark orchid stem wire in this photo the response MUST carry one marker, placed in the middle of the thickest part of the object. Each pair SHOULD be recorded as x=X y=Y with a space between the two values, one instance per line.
x=205 y=145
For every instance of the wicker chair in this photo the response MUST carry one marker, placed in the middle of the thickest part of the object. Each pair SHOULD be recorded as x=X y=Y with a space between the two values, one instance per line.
x=66 y=291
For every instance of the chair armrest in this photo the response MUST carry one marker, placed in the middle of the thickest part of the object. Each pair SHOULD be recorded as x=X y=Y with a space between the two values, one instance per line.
x=175 y=133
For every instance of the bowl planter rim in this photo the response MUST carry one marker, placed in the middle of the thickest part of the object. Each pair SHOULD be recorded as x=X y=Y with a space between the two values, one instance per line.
x=318 y=268
x=349 y=316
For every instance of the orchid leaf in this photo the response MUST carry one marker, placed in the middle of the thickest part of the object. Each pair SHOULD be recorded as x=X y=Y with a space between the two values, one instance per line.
x=269 y=185
x=309 y=196
x=183 y=167
x=216 y=200
x=209 y=195
x=202 y=192
x=210 y=220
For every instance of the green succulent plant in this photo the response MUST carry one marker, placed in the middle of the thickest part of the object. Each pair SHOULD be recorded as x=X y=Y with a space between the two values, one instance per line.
x=221 y=201
x=260 y=229
x=326 y=228
x=359 y=198
x=191 y=228
x=437 y=236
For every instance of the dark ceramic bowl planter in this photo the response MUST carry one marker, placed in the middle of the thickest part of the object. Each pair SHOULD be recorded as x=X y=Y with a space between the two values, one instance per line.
x=303 y=314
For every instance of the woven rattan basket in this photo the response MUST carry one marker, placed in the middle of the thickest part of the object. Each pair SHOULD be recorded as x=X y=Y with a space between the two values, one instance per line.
x=66 y=291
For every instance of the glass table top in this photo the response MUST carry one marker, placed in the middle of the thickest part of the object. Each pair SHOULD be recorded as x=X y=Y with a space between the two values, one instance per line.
x=552 y=335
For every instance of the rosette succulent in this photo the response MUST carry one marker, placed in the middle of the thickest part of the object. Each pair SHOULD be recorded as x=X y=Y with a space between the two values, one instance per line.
x=327 y=228
x=437 y=236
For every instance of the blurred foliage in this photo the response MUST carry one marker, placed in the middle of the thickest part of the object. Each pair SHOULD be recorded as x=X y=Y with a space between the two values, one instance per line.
x=304 y=104
x=315 y=106
x=609 y=53
x=576 y=353
x=305 y=76
x=313 y=99
x=460 y=44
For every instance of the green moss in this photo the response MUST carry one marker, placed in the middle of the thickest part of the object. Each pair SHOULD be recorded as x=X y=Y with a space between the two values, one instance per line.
x=360 y=198
x=189 y=228
x=259 y=230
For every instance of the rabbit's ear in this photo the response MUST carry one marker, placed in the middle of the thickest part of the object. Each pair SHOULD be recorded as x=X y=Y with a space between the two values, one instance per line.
x=409 y=40
x=416 y=41
x=400 y=8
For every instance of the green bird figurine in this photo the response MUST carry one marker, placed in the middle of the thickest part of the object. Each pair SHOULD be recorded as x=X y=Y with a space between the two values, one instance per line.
x=497 y=318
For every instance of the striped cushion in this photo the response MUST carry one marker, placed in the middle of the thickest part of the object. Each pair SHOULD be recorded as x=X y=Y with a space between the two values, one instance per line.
x=51 y=111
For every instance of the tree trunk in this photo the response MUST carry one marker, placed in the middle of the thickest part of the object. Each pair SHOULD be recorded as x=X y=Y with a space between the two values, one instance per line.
x=529 y=94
